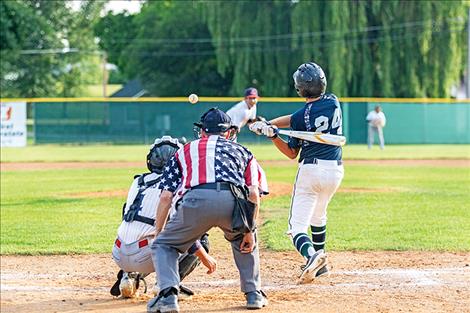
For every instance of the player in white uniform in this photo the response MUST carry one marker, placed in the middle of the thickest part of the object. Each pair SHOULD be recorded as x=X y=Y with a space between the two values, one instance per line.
x=376 y=119
x=244 y=112
x=131 y=250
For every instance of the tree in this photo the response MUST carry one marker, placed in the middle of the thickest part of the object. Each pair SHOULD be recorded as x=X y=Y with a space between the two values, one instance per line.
x=384 y=48
x=35 y=36
x=250 y=45
x=167 y=54
x=116 y=32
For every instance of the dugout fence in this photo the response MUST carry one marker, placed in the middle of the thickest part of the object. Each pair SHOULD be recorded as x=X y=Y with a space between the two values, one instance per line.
x=137 y=121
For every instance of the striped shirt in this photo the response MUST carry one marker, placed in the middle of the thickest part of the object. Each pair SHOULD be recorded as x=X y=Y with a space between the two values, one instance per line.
x=209 y=160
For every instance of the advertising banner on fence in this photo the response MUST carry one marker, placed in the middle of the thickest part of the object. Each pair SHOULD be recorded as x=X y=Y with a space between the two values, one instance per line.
x=13 y=124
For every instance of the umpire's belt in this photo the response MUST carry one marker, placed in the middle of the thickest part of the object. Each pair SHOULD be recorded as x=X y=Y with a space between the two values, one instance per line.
x=214 y=186
x=322 y=162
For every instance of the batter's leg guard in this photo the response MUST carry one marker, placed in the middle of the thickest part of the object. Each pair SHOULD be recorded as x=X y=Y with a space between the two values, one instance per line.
x=304 y=245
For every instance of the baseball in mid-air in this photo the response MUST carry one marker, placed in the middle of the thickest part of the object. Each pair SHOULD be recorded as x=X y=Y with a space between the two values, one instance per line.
x=193 y=98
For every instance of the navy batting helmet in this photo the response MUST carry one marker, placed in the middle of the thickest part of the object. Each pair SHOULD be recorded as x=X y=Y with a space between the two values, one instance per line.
x=160 y=152
x=309 y=80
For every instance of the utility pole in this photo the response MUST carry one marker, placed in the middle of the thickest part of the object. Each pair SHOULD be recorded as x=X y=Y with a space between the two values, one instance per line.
x=105 y=74
x=468 y=54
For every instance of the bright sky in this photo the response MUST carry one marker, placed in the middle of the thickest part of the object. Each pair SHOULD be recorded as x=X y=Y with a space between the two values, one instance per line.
x=115 y=6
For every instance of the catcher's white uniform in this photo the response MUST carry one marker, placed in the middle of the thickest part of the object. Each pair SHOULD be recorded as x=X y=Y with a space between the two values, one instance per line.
x=131 y=250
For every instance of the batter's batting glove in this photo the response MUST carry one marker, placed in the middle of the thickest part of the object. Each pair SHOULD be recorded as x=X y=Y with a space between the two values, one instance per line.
x=269 y=131
x=256 y=127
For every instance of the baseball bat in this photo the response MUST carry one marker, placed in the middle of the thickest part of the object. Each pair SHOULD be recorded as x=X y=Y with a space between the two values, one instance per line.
x=326 y=139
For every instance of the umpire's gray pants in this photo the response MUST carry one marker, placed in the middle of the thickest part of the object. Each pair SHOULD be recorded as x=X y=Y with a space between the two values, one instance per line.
x=199 y=211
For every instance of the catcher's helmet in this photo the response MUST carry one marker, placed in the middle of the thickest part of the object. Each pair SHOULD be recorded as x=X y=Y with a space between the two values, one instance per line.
x=309 y=80
x=160 y=152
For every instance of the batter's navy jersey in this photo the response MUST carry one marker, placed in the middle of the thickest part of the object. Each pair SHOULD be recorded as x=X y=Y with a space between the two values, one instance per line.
x=323 y=115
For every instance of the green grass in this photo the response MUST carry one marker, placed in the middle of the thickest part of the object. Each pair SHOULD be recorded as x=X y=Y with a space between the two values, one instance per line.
x=105 y=153
x=41 y=214
x=414 y=208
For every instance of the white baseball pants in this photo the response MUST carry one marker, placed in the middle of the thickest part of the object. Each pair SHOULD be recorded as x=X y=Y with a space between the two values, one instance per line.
x=134 y=257
x=314 y=187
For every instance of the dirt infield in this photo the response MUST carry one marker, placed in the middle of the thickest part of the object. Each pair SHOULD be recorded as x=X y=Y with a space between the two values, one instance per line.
x=34 y=166
x=360 y=282
x=385 y=281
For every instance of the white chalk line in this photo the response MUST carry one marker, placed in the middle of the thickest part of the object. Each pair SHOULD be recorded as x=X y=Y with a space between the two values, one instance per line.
x=37 y=288
x=388 y=278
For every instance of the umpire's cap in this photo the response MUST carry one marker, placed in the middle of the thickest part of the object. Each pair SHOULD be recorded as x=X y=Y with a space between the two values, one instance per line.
x=309 y=80
x=214 y=121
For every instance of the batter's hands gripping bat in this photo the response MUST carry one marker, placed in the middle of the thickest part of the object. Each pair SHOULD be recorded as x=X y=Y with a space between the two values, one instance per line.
x=326 y=139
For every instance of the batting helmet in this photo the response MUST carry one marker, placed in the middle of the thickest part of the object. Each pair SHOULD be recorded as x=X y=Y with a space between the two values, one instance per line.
x=309 y=80
x=160 y=152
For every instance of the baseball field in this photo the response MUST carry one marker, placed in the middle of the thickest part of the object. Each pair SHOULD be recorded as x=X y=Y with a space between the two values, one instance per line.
x=397 y=240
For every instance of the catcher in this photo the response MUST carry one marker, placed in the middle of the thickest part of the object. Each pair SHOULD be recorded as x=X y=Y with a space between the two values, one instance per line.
x=131 y=250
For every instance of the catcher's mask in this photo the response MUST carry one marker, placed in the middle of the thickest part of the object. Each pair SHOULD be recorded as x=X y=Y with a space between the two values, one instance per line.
x=309 y=80
x=160 y=152
x=217 y=122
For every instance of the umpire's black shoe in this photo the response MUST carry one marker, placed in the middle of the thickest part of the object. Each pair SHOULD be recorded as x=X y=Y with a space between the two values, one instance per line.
x=314 y=264
x=256 y=300
x=165 y=302
x=185 y=293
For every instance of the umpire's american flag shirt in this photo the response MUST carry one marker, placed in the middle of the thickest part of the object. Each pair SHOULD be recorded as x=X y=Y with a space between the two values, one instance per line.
x=208 y=160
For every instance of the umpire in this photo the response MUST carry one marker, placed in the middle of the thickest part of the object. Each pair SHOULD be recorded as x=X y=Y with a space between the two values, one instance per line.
x=208 y=169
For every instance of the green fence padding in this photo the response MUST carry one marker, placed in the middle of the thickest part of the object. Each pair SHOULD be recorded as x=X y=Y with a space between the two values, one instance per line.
x=142 y=122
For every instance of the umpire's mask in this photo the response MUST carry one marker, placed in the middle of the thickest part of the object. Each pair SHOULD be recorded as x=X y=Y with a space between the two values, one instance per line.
x=217 y=122
x=160 y=152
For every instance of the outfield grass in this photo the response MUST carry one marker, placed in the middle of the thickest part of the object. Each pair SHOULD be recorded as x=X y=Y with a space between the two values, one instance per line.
x=413 y=208
x=42 y=214
x=105 y=153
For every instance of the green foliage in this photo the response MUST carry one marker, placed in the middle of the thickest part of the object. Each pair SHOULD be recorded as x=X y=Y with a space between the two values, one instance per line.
x=383 y=48
x=33 y=35
x=262 y=63
x=162 y=53
x=116 y=33
x=23 y=27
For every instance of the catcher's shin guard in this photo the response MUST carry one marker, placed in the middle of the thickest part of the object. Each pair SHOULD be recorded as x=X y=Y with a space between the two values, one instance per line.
x=188 y=263
x=205 y=242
